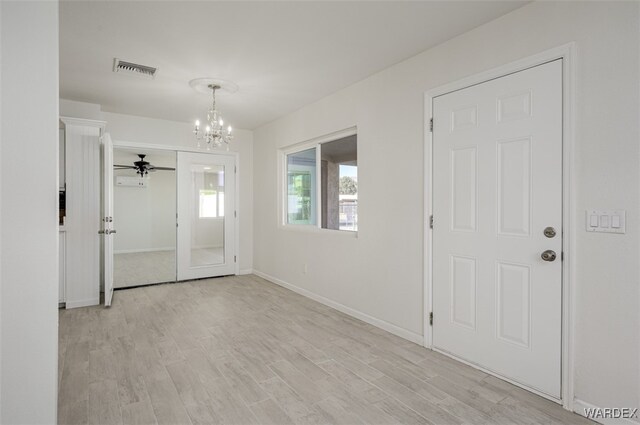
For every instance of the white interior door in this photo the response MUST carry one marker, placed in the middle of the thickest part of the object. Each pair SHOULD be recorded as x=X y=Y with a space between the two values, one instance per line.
x=206 y=215
x=497 y=185
x=107 y=217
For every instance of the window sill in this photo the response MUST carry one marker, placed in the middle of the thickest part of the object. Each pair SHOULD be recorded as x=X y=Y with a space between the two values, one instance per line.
x=309 y=228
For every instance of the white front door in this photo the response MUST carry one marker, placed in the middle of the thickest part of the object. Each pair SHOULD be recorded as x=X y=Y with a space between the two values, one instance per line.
x=206 y=215
x=497 y=185
x=107 y=218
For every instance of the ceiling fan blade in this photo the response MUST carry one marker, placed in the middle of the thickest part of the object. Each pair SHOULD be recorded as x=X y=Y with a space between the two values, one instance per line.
x=164 y=168
x=124 y=166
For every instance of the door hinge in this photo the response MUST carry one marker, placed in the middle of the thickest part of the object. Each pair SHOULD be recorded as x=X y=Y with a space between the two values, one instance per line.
x=431 y=221
x=235 y=169
x=235 y=214
x=431 y=318
x=431 y=125
x=235 y=259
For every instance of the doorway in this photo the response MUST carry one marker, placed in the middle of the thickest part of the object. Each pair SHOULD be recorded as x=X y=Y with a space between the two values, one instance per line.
x=497 y=238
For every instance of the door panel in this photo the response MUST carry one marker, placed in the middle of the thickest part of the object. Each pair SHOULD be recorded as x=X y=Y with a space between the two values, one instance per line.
x=206 y=215
x=464 y=187
x=497 y=179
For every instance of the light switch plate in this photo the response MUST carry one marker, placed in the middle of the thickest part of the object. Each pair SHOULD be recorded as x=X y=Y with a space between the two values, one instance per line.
x=606 y=221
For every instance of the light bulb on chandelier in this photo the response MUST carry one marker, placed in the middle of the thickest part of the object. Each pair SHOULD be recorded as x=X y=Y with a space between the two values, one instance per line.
x=214 y=134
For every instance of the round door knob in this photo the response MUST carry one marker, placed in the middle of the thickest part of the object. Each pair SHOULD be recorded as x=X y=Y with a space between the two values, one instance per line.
x=548 y=255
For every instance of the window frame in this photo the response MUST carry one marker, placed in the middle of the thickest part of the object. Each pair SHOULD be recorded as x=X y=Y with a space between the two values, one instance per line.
x=283 y=190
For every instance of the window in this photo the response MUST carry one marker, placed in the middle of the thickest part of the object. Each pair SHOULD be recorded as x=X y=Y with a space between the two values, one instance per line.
x=209 y=185
x=348 y=198
x=211 y=203
x=335 y=163
x=340 y=184
x=301 y=187
x=208 y=203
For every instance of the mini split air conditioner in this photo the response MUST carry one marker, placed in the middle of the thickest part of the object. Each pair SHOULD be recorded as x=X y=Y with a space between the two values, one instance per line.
x=131 y=181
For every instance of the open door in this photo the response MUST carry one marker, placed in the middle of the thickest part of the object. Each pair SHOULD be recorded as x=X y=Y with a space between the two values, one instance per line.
x=107 y=217
x=206 y=215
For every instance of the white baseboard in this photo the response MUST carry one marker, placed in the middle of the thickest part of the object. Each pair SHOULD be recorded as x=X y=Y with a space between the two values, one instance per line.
x=82 y=303
x=133 y=251
x=245 y=271
x=579 y=407
x=396 y=330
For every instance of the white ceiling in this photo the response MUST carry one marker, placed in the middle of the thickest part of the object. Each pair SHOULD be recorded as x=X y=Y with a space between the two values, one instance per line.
x=283 y=55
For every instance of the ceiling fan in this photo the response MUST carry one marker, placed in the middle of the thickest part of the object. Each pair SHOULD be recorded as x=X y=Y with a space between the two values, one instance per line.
x=142 y=167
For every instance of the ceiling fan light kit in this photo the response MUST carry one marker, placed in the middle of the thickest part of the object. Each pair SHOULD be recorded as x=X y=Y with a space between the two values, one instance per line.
x=215 y=135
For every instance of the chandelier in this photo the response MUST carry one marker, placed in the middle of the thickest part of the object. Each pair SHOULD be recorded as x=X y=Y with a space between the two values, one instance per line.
x=214 y=134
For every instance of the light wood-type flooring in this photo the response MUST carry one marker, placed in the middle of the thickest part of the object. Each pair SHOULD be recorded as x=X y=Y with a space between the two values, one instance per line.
x=240 y=350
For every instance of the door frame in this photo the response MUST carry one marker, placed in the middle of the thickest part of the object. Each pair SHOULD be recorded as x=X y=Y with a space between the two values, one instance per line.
x=235 y=155
x=567 y=53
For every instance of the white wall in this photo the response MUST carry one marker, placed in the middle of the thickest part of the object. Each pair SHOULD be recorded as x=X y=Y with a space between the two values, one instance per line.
x=28 y=213
x=172 y=133
x=380 y=273
x=88 y=111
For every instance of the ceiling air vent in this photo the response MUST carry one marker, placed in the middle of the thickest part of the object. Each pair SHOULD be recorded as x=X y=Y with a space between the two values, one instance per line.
x=134 y=68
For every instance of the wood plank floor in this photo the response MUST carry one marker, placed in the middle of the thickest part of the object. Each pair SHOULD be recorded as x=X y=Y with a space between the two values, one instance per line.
x=240 y=350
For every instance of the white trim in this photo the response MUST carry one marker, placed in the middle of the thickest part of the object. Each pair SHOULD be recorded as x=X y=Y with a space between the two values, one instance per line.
x=127 y=144
x=318 y=186
x=245 y=271
x=569 y=226
x=389 y=327
x=135 y=251
x=310 y=143
x=236 y=215
x=83 y=122
x=579 y=406
x=82 y=303
x=206 y=246
x=567 y=53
